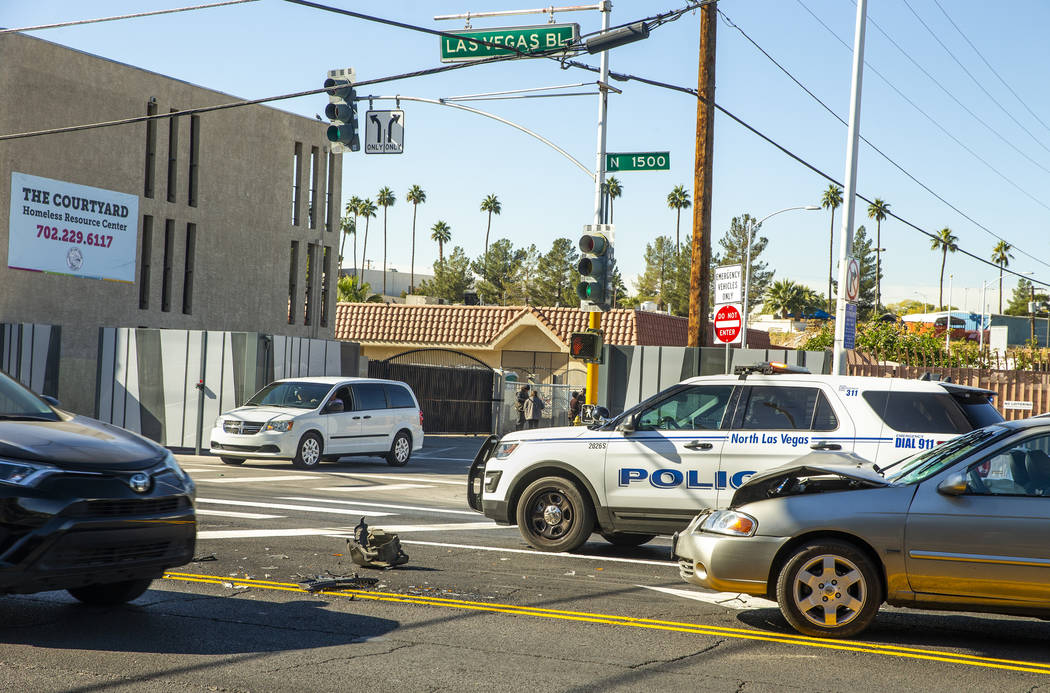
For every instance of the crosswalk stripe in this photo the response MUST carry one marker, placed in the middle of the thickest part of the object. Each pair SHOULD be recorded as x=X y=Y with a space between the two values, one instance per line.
x=381 y=487
x=339 y=532
x=231 y=513
x=396 y=477
x=380 y=505
x=253 y=479
x=285 y=506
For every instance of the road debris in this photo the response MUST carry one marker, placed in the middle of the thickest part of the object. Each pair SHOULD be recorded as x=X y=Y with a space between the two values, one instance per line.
x=375 y=548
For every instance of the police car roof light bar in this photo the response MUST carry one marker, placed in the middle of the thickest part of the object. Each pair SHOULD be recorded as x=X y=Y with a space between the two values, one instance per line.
x=768 y=368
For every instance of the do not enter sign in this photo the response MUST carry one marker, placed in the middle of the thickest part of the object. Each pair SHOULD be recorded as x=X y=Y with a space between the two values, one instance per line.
x=728 y=324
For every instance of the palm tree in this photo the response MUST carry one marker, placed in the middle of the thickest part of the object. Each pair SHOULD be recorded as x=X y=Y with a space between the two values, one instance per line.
x=416 y=196
x=678 y=199
x=878 y=210
x=347 y=227
x=831 y=199
x=491 y=205
x=615 y=189
x=782 y=298
x=368 y=210
x=352 y=208
x=442 y=233
x=946 y=242
x=1001 y=256
x=385 y=198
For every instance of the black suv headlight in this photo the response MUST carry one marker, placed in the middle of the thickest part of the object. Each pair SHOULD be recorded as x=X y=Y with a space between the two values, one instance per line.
x=21 y=473
x=169 y=464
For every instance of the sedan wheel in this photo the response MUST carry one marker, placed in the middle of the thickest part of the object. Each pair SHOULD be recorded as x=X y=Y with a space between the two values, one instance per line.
x=309 y=453
x=553 y=516
x=829 y=588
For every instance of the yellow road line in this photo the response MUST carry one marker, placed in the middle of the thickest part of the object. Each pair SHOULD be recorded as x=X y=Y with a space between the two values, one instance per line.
x=630 y=621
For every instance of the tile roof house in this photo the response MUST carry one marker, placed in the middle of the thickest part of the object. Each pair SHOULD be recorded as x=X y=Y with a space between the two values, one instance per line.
x=491 y=333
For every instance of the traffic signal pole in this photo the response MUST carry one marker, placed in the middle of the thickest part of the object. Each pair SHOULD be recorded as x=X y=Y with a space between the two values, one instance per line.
x=594 y=319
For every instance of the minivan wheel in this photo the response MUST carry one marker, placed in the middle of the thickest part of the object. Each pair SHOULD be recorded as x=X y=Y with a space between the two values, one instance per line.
x=232 y=460
x=308 y=455
x=552 y=515
x=111 y=593
x=400 y=450
x=626 y=539
x=829 y=588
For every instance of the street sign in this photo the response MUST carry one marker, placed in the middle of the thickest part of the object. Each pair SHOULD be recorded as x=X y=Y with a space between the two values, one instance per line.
x=519 y=39
x=638 y=161
x=1020 y=405
x=728 y=324
x=852 y=278
x=849 y=338
x=384 y=132
x=728 y=284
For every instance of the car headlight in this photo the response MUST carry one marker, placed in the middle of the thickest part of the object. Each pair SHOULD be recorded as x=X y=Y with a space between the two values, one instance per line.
x=504 y=450
x=730 y=523
x=170 y=464
x=279 y=426
x=24 y=473
x=218 y=423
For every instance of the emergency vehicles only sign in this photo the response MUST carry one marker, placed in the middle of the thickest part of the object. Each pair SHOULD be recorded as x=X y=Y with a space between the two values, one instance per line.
x=728 y=283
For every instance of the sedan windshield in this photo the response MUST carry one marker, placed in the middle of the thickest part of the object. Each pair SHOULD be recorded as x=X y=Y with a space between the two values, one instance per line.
x=18 y=403
x=295 y=394
x=926 y=464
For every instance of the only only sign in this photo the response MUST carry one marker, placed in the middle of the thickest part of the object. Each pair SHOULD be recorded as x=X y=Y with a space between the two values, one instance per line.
x=728 y=327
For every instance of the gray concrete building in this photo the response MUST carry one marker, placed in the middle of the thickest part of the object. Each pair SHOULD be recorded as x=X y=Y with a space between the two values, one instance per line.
x=223 y=220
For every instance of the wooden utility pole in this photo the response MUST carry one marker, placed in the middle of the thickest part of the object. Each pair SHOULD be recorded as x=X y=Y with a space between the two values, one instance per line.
x=700 y=272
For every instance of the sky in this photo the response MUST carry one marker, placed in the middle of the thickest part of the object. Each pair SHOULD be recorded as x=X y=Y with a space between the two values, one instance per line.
x=957 y=101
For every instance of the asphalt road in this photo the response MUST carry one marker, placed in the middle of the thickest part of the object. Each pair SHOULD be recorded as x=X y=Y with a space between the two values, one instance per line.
x=475 y=609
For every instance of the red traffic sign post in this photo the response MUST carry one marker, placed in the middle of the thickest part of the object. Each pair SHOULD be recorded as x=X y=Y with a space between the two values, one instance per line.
x=728 y=324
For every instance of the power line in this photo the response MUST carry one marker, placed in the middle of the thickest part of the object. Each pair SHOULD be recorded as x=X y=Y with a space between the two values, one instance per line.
x=125 y=16
x=872 y=145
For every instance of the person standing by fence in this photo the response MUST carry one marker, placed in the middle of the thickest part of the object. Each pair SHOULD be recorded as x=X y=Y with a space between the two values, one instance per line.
x=519 y=405
x=574 y=407
x=533 y=409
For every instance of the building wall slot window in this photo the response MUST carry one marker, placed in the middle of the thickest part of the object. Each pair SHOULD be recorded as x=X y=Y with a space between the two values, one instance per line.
x=329 y=203
x=151 y=150
x=173 y=154
x=326 y=278
x=187 y=277
x=297 y=181
x=169 y=259
x=293 y=266
x=195 y=151
x=311 y=251
x=315 y=172
x=145 y=261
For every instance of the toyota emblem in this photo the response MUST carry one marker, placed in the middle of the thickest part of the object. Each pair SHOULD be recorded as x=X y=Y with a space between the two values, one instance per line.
x=139 y=483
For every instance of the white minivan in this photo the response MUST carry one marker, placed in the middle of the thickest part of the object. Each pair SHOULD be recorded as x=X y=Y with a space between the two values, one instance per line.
x=310 y=420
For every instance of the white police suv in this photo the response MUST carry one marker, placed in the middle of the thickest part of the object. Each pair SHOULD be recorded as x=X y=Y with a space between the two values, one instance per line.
x=650 y=469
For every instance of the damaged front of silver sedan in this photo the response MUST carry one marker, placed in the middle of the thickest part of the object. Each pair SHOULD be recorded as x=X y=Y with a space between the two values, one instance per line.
x=831 y=537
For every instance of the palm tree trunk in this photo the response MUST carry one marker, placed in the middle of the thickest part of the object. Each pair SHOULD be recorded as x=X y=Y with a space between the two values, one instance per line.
x=355 y=245
x=487 y=229
x=940 y=291
x=831 y=256
x=678 y=229
x=412 y=266
x=441 y=251
x=384 y=250
x=342 y=244
x=364 y=253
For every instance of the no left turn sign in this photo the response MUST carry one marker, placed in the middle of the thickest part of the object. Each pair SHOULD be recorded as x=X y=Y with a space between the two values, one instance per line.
x=852 y=279
x=728 y=324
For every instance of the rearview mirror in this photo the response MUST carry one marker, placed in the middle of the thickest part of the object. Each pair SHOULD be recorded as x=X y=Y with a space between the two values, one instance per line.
x=953 y=485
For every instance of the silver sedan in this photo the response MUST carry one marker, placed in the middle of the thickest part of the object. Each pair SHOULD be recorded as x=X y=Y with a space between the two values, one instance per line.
x=961 y=527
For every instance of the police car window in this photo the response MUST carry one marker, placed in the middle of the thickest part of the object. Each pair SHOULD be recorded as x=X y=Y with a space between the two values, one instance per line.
x=918 y=412
x=783 y=408
x=824 y=418
x=1021 y=470
x=691 y=409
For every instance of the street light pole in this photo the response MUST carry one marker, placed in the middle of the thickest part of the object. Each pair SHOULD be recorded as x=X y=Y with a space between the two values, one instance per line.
x=747 y=263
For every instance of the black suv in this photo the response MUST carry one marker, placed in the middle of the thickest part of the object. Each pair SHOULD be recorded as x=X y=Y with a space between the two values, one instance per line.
x=85 y=506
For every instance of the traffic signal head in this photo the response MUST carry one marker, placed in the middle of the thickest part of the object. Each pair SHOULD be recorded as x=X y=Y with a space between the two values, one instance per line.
x=595 y=269
x=586 y=346
x=342 y=111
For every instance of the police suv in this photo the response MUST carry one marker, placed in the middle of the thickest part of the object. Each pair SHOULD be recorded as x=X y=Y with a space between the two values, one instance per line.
x=650 y=469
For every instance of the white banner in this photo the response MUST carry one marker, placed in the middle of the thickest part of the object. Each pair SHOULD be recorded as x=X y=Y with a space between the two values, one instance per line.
x=72 y=229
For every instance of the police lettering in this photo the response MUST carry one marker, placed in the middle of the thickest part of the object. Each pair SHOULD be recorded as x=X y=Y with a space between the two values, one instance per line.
x=673 y=478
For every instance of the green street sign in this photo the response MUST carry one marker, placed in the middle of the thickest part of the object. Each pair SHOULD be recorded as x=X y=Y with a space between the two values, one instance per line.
x=638 y=161
x=527 y=39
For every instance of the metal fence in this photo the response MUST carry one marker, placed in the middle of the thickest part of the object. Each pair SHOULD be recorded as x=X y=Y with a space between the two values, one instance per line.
x=555 y=406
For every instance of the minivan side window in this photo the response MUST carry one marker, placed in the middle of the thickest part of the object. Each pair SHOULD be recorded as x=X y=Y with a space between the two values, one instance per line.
x=918 y=412
x=787 y=409
x=399 y=397
x=368 y=396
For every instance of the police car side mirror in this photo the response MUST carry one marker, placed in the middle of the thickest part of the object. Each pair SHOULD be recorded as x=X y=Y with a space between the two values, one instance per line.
x=627 y=425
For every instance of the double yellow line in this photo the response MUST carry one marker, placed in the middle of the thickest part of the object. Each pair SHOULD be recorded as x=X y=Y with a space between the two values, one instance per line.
x=631 y=622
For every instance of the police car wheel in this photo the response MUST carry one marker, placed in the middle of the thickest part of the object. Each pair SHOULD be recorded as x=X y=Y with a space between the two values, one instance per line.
x=626 y=539
x=553 y=515
x=829 y=588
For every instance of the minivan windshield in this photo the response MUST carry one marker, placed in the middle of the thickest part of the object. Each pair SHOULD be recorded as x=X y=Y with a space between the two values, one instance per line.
x=926 y=464
x=295 y=394
x=18 y=403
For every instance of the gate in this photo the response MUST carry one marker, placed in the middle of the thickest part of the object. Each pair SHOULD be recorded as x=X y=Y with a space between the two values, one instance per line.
x=455 y=390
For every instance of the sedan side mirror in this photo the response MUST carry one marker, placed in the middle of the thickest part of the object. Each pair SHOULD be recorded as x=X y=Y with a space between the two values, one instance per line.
x=50 y=400
x=953 y=485
x=335 y=406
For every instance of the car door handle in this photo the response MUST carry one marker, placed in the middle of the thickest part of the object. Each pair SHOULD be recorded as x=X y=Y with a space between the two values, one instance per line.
x=366 y=417
x=697 y=445
x=823 y=445
x=357 y=417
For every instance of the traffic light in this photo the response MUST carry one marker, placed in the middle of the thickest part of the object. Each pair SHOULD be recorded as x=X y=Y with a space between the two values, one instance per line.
x=586 y=346
x=342 y=111
x=595 y=287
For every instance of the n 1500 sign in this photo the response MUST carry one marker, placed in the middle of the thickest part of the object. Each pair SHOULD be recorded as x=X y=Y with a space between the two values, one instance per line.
x=638 y=161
